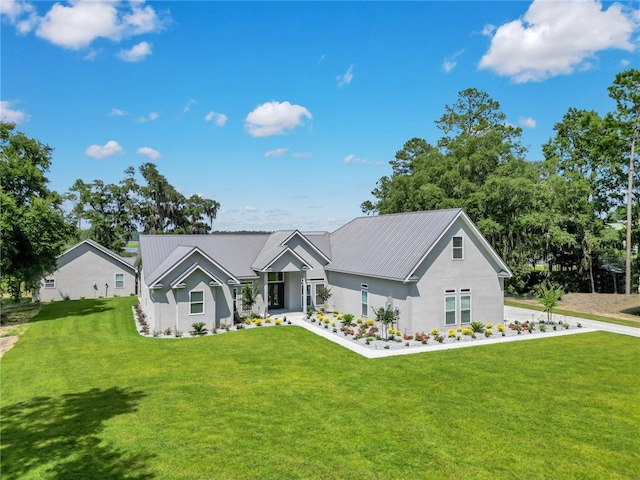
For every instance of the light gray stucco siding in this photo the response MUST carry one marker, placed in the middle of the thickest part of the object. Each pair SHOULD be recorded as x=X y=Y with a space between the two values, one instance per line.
x=85 y=272
x=439 y=273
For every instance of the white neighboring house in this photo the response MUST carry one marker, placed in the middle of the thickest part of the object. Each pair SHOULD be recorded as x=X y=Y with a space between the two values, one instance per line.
x=89 y=270
x=434 y=266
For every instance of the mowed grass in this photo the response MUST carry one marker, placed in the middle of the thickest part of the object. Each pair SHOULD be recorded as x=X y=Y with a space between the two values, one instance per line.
x=83 y=396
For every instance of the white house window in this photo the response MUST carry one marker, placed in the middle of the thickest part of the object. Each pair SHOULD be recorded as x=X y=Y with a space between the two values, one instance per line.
x=49 y=283
x=196 y=302
x=365 y=303
x=465 y=309
x=119 y=280
x=458 y=252
x=308 y=285
x=449 y=310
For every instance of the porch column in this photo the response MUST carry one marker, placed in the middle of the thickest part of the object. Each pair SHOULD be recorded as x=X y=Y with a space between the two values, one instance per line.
x=265 y=293
x=175 y=299
x=304 y=290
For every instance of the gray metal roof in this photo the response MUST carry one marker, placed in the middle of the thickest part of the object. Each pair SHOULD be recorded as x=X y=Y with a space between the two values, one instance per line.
x=388 y=246
x=234 y=253
x=271 y=249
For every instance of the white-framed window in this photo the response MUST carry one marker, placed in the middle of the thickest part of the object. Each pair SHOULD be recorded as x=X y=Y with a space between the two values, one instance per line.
x=309 y=305
x=458 y=250
x=119 y=280
x=49 y=283
x=319 y=300
x=450 y=310
x=196 y=302
x=465 y=309
x=365 y=303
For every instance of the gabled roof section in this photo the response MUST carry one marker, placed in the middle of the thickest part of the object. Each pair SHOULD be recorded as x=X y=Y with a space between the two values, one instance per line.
x=286 y=250
x=308 y=241
x=393 y=246
x=177 y=257
x=104 y=250
x=233 y=253
x=277 y=244
x=215 y=281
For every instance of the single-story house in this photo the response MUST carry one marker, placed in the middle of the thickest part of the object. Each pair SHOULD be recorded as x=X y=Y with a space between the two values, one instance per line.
x=89 y=270
x=435 y=267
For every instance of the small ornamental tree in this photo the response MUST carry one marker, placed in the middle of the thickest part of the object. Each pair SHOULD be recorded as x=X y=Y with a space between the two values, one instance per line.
x=386 y=316
x=324 y=294
x=549 y=296
x=249 y=298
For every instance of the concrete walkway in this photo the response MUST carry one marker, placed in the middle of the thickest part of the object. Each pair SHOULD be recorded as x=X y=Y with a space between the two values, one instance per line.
x=511 y=314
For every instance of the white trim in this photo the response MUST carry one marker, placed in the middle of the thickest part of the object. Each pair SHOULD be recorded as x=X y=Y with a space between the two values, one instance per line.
x=196 y=266
x=104 y=250
x=316 y=249
x=115 y=280
x=187 y=255
x=505 y=273
x=454 y=249
x=49 y=287
x=455 y=309
x=468 y=294
x=277 y=257
x=191 y=302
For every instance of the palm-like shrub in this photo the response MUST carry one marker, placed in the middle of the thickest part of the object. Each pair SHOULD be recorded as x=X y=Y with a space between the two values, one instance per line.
x=477 y=327
x=347 y=319
x=198 y=328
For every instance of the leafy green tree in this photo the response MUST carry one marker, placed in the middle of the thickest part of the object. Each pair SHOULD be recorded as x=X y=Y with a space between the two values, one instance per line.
x=478 y=165
x=32 y=223
x=625 y=91
x=109 y=209
x=116 y=211
x=580 y=175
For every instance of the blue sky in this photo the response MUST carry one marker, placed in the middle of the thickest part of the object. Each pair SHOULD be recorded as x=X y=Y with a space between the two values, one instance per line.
x=288 y=113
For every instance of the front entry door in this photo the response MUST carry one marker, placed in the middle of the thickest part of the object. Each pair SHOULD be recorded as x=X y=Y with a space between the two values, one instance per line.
x=276 y=295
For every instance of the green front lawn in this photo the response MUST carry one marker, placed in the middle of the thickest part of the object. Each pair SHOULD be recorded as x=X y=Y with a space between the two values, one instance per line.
x=83 y=396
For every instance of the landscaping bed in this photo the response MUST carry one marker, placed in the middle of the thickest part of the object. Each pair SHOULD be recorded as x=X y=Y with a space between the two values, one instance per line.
x=376 y=336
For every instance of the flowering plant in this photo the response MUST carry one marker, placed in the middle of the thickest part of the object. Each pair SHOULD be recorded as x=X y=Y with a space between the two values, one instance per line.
x=277 y=321
x=435 y=331
x=451 y=334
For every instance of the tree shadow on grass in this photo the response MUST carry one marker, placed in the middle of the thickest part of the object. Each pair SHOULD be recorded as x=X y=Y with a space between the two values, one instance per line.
x=62 y=433
x=73 y=308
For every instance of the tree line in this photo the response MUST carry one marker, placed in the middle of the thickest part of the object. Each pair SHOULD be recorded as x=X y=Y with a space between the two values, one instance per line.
x=554 y=209
x=35 y=227
x=557 y=209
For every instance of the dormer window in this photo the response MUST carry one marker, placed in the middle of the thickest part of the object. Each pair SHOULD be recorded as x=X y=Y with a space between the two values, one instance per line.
x=457 y=248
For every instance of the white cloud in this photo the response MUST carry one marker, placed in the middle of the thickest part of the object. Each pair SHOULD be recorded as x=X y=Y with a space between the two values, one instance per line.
x=188 y=106
x=220 y=119
x=353 y=159
x=527 y=122
x=149 y=118
x=346 y=77
x=450 y=62
x=149 y=152
x=77 y=24
x=137 y=53
x=275 y=118
x=301 y=155
x=22 y=15
x=110 y=148
x=10 y=115
x=249 y=208
x=116 y=112
x=558 y=38
x=276 y=152
x=321 y=59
